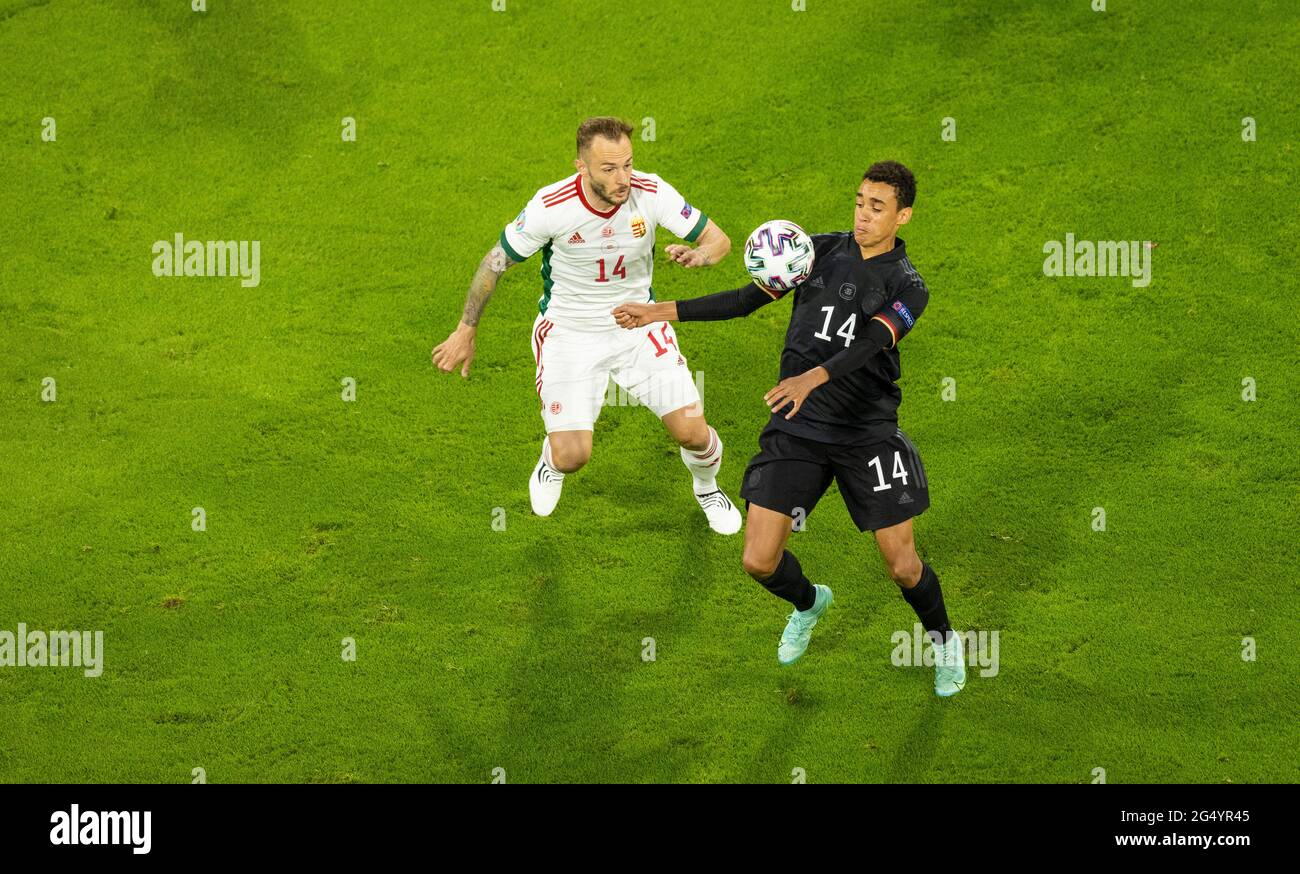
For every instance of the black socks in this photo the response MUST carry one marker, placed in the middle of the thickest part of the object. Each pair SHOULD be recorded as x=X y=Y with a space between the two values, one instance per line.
x=788 y=582
x=926 y=599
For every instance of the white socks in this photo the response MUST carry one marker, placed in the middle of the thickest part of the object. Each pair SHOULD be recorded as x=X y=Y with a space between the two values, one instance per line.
x=546 y=458
x=704 y=465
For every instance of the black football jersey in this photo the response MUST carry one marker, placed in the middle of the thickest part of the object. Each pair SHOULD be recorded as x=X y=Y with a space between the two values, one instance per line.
x=831 y=309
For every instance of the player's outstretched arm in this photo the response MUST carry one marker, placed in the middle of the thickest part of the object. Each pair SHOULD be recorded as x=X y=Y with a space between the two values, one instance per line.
x=711 y=247
x=711 y=307
x=458 y=348
x=637 y=315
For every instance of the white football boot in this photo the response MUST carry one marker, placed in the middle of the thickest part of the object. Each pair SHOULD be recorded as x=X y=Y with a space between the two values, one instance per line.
x=544 y=487
x=723 y=516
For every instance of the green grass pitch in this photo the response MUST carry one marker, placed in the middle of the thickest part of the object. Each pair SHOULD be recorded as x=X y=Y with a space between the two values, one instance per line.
x=521 y=649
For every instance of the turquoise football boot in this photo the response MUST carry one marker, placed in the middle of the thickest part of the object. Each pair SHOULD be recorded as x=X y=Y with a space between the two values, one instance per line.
x=949 y=666
x=798 y=631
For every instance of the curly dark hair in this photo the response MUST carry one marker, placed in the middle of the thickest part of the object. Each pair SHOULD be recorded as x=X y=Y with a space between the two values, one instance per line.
x=895 y=174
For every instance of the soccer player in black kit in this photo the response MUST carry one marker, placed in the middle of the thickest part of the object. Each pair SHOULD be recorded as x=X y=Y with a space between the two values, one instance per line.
x=834 y=414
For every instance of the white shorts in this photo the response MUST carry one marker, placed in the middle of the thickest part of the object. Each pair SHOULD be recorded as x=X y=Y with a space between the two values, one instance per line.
x=574 y=369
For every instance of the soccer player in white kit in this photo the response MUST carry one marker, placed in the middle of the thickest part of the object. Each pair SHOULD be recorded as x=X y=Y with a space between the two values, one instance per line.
x=596 y=233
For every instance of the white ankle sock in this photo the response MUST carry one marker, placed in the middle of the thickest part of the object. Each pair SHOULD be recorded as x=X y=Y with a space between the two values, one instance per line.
x=546 y=458
x=704 y=465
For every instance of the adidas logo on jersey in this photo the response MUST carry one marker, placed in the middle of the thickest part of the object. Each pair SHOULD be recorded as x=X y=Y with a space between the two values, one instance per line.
x=905 y=499
x=817 y=282
x=576 y=239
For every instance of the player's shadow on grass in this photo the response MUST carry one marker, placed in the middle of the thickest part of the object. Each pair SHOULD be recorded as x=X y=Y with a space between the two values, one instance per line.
x=567 y=668
x=774 y=763
x=575 y=684
x=912 y=760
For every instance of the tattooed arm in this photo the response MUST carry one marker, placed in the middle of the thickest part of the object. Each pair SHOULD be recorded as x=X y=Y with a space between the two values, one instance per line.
x=458 y=348
x=494 y=263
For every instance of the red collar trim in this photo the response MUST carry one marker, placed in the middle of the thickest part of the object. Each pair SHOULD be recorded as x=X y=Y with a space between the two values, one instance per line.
x=582 y=195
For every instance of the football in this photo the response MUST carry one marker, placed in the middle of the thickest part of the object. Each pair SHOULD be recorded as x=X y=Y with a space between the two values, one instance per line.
x=779 y=255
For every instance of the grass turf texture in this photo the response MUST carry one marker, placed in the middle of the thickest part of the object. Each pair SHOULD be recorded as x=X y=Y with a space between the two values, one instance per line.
x=521 y=649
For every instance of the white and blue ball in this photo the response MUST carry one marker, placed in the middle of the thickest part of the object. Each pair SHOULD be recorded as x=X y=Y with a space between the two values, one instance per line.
x=779 y=255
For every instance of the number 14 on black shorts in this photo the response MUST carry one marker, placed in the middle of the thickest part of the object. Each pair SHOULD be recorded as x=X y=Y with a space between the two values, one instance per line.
x=882 y=483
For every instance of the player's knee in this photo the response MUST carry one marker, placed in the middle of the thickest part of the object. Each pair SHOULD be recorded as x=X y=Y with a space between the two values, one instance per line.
x=905 y=570
x=568 y=458
x=759 y=564
x=693 y=433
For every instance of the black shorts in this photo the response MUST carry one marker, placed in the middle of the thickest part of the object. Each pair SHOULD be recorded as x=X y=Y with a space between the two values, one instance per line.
x=882 y=483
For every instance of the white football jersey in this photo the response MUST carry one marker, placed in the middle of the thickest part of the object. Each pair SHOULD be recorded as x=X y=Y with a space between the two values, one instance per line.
x=594 y=260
